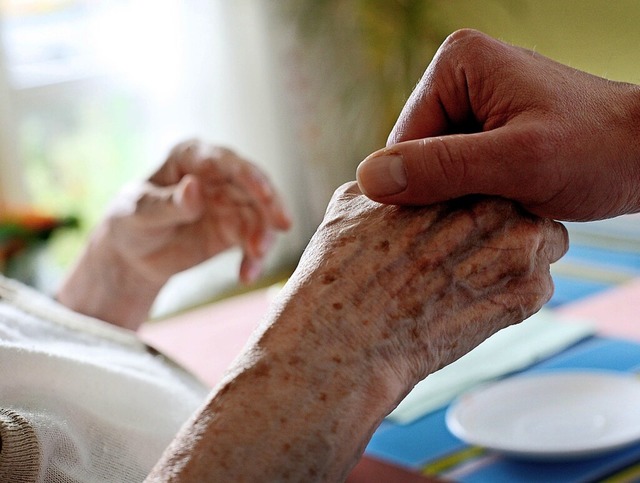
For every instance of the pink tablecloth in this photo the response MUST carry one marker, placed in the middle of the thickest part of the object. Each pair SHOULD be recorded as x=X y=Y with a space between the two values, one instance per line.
x=615 y=312
x=207 y=339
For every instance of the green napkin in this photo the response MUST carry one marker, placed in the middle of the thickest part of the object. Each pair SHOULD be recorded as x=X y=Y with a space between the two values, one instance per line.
x=512 y=349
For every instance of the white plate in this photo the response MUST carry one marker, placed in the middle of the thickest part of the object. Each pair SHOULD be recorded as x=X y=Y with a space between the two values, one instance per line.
x=551 y=416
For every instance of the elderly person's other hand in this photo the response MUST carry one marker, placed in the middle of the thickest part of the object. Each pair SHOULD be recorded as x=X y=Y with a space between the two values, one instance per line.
x=202 y=201
x=495 y=119
x=383 y=296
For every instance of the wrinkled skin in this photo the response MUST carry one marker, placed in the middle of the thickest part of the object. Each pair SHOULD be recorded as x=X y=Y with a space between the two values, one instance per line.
x=382 y=297
x=495 y=119
x=439 y=279
x=202 y=201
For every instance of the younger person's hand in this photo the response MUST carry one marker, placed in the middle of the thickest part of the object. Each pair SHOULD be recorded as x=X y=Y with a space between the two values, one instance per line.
x=495 y=119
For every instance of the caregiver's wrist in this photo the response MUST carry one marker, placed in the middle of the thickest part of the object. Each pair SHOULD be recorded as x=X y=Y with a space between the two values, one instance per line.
x=631 y=171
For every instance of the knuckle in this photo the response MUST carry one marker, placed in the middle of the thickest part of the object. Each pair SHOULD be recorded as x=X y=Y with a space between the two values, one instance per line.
x=225 y=153
x=535 y=143
x=346 y=191
x=466 y=43
x=185 y=147
x=464 y=35
x=141 y=203
x=524 y=297
x=346 y=187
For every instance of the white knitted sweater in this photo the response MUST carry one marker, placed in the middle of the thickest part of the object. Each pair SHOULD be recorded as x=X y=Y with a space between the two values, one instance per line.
x=82 y=400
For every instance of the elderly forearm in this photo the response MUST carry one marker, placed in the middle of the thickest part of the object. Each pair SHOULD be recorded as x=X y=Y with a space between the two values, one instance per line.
x=299 y=406
x=105 y=286
x=382 y=297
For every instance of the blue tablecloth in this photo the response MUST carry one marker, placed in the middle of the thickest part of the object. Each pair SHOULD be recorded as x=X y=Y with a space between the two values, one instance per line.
x=428 y=446
x=601 y=256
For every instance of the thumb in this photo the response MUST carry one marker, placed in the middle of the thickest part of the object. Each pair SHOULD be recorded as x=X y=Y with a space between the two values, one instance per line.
x=163 y=206
x=435 y=169
x=187 y=199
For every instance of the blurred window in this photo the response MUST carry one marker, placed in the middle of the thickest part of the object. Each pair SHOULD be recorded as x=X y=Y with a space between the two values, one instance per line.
x=84 y=79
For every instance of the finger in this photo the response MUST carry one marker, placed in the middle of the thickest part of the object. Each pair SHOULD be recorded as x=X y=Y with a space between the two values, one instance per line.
x=222 y=171
x=165 y=206
x=423 y=115
x=555 y=242
x=182 y=159
x=521 y=297
x=250 y=269
x=235 y=219
x=262 y=242
x=458 y=90
x=253 y=240
x=188 y=198
x=431 y=170
x=257 y=185
x=280 y=215
x=254 y=252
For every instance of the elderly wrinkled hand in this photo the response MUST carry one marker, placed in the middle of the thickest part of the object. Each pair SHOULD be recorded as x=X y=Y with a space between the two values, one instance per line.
x=383 y=296
x=420 y=286
x=203 y=200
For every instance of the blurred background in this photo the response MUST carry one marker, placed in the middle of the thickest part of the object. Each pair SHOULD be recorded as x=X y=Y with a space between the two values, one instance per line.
x=93 y=94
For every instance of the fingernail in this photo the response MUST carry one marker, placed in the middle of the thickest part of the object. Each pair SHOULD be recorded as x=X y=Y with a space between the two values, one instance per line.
x=382 y=175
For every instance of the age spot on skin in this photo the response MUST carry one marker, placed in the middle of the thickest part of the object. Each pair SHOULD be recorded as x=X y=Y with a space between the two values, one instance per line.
x=383 y=246
x=329 y=277
x=337 y=306
x=262 y=370
x=343 y=240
